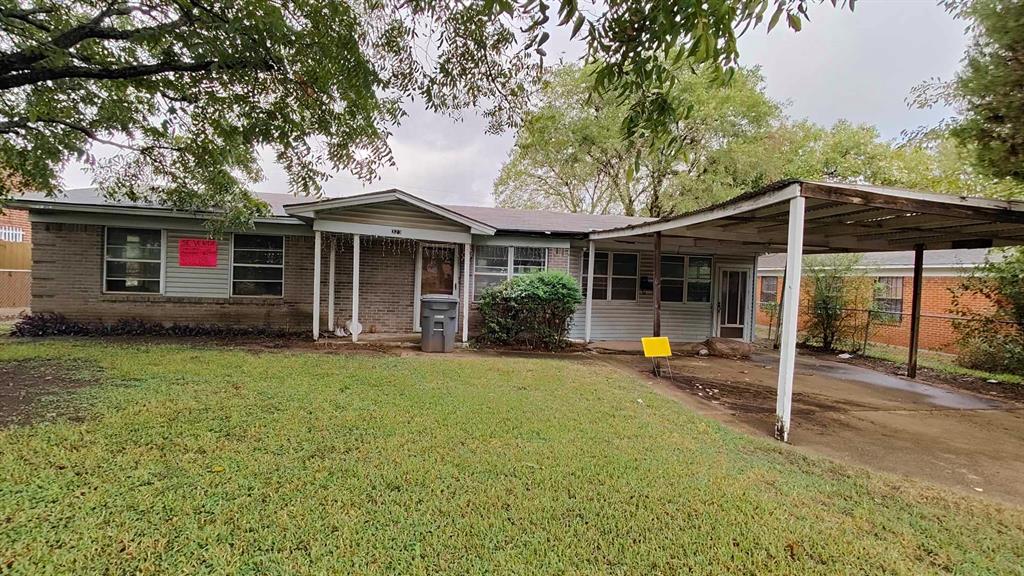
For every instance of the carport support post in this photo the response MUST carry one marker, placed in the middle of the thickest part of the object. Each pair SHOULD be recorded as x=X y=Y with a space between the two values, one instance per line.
x=330 y=285
x=915 y=311
x=657 y=284
x=590 y=290
x=317 y=247
x=355 y=287
x=465 y=293
x=790 y=315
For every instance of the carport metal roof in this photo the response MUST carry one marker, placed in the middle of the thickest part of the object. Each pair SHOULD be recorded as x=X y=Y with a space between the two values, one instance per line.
x=845 y=218
x=822 y=217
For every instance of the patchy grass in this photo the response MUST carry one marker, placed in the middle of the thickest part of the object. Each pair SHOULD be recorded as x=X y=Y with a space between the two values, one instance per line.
x=227 y=461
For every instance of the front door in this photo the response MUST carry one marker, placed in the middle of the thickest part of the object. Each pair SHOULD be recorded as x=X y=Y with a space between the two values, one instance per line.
x=437 y=272
x=731 y=307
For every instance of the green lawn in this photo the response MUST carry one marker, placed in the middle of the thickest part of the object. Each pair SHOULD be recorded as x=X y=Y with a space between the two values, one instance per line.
x=221 y=461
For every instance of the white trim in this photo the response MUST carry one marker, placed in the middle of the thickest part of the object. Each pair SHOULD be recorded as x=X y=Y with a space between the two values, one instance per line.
x=590 y=252
x=947 y=199
x=311 y=208
x=716 y=295
x=354 y=326
x=417 y=291
x=790 y=316
x=231 y=266
x=163 y=261
x=465 y=294
x=524 y=241
x=510 y=264
x=330 y=283
x=761 y=201
x=317 y=248
x=421 y=234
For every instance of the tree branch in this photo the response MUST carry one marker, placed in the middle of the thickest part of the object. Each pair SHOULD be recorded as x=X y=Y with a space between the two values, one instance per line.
x=124 y=72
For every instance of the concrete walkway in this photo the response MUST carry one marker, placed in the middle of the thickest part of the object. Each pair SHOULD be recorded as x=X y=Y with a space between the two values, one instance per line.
x=931 y=432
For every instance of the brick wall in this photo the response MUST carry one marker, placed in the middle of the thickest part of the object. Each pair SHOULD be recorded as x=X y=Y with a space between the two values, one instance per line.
x=936 y=331
x=17 y=219
x=387 y=276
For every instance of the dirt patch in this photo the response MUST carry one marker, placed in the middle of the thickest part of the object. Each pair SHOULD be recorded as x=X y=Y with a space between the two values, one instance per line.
x=747 y=398
x=1000 y=390
x=36 y=390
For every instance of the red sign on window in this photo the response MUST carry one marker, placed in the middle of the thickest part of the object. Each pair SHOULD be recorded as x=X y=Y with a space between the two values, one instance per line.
x=197 y=252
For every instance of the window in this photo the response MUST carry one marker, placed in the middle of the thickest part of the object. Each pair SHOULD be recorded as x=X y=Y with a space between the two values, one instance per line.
x=673 y=278
x=769 y=291
x=888 y=303
x=495 y=264
x=12 y=234
x=698 y=279
x=685 y=278
x=615 y=275
x=133 y=261
x=257 y=265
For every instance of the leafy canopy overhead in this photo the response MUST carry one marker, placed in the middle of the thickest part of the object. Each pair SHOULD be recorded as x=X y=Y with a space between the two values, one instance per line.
x=189 y=93
x=569 y=154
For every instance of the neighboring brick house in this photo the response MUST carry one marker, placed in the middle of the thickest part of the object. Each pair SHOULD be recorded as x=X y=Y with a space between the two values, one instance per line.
x=15 y=262
x=893 y=273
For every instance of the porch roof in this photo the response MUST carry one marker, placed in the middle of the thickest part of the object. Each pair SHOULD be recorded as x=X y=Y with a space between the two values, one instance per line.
x=844 y=218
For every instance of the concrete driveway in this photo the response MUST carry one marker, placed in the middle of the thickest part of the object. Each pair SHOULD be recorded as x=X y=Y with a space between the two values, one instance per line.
x=857 y=415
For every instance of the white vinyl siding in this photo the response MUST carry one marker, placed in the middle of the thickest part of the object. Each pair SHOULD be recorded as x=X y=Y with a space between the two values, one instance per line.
x=632 y=320
x=195 y=281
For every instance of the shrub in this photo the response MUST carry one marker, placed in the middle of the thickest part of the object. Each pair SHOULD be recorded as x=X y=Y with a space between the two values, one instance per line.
x=533 y=311
x=47 y=324
x=835 y=300
x=990 y=305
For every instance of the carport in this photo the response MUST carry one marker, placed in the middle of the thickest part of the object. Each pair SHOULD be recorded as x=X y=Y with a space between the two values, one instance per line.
x=799 y=217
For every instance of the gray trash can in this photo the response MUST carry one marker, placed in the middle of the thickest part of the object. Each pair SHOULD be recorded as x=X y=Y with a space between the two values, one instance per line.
x=438 y=314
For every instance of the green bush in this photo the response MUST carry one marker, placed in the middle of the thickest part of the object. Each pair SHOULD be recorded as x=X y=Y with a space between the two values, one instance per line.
x=532 y=311
x=989 y=305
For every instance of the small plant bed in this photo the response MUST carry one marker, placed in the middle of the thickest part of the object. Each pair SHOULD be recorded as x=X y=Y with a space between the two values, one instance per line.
x=39 y=390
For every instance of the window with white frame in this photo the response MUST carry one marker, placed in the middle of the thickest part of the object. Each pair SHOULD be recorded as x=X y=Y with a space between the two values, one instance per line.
x=698 y=279
x=257 y=265
x=133 y=260
x=685 y=278
x=888 y=301
x=495 y=264
x=769 y=295
x=616 y=275
x=673 y=278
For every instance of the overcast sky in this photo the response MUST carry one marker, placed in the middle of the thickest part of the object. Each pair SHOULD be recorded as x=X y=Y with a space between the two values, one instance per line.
x=859 y=66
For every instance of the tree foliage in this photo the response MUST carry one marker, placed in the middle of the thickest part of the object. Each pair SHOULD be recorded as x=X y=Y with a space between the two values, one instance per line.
x=986 y=91
x=570 y=155
x=990 y=305
x=836 y=300
x=190 y=92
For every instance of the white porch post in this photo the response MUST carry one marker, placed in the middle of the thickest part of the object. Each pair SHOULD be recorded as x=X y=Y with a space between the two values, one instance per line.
x=790 y=315
x=590 y=290
x=330 y=285
x=465 y=293
x=354 y=326
x=317 y=248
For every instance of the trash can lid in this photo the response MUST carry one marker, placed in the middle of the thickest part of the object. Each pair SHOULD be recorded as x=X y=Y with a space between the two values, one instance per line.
x=440 y=297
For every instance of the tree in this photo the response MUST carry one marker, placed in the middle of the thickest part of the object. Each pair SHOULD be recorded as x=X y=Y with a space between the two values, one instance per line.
x=835 y=300
x=189 y=91
x=570 y=155
x=989 y=304
x=986 y=91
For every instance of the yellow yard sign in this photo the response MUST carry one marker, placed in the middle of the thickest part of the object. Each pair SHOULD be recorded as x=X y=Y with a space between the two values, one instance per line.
x=656 y=347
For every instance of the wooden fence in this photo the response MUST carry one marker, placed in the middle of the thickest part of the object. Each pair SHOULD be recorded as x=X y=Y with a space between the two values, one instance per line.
x=15 y=274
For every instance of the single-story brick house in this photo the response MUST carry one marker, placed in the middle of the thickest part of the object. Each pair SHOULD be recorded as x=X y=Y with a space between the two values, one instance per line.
x=893 y=272
x=102 y=261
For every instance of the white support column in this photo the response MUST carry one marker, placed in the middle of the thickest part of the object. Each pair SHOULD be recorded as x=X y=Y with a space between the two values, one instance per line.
x=790 y=314
x=590 y=290
x=354 y=326
x=465 y=293
x=317 y=249
x=330 y=284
